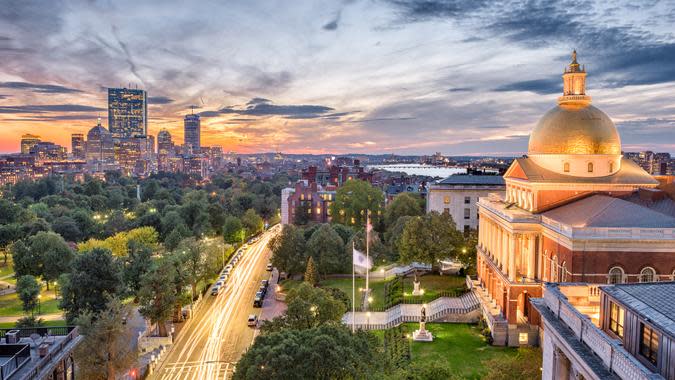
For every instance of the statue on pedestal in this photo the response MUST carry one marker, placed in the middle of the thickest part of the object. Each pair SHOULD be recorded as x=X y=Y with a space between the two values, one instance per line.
x=422 y=335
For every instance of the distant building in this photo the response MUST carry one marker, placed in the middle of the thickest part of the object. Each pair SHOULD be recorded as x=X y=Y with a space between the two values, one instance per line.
x=77 y=146
x=192 y=127
x=309 y=198
x=48 y=151
x=623 y=331
x=28 y=141
x=165 y=150
x=653 y=163
x=127 y=112
x=100 y=149
x=458 y=195
x=335 y=175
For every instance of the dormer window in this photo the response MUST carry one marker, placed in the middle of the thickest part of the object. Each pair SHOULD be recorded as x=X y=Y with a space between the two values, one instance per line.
x=590 y=167
x=566 y=167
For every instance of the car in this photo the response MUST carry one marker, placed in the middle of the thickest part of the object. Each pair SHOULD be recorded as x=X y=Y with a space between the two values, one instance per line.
x=223 y=278
x=225 y=272
x=262 y=290
x=265 y=283
x=235 y=259
x=252 y=320
x=229 y=267
x=215 y=290
x=257 y=301
x=269 y=267
x=219 y=283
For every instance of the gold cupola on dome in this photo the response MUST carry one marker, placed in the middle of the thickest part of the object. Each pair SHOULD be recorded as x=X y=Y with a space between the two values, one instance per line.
x=576 y=138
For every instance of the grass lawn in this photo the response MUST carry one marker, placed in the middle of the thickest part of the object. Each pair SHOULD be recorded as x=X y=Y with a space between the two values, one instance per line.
x=11 y=306
x=433 y=284
x=345 y=284
x=59 y=322
x=289 y=284
x=6 y=270
x=460 y=345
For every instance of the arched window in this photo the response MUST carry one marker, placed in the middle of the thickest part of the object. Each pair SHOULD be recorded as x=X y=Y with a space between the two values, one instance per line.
x=590 y=167
x=615 y=276
x=648 y=274
x=563 y=272
x=554 y=269
x=566 y=167
x=611 y=166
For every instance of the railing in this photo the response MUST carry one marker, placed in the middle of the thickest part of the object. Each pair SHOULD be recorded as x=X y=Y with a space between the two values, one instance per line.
x=47 y=360
x=610 y=351
x=18 y=359
x=42 y=331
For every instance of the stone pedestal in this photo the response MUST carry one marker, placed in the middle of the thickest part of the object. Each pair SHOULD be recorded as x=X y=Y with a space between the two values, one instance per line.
x=416 y=290
x=422 y=335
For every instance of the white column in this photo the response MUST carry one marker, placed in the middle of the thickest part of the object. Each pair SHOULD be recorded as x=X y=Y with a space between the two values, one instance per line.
x=530 y=256
x=512 y=257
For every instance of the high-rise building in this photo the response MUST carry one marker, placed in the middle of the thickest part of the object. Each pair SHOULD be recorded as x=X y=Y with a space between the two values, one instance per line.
x=48 y=151
x=127 y=112
x=77 y=146
x=165 y=149
x=100 y=149
x=192 y=134
x=28 y=141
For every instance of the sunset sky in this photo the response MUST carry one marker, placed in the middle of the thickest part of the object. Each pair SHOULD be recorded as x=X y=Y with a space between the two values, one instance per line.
x=372 y=76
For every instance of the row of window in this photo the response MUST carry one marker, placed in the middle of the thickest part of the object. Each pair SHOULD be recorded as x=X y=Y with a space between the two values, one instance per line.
x=589 y=168
x=446 y=200
x=649 y=338
x=647 y=274
x=467 y=213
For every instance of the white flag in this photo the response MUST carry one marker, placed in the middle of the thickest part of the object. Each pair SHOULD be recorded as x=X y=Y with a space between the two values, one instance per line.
x=361 y=261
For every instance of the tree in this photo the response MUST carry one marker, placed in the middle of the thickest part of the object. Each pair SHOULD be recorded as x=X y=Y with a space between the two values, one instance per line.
x=311 y=274
x=28 y=290
x=429 y=238
x=157 y=297
x=67 y=227
x=176 y=236
x=29 y=322
x=467 y=254
x=353 y=199
x=323 y=353
x=525 y=365
x=302 y=213
x=95 y=276
x=308 y=307
x=194 y=262
x=288 y=250
x=252 y=222
x=9 y=233
x=404 y=204
x=232 y=230
x=327 y=248
x=377 y=249
x=45 y=254
x=344 y=232
x=424 y=370
x=26 y=261
x=136 y=265
x=393 y=236
x=105 y=352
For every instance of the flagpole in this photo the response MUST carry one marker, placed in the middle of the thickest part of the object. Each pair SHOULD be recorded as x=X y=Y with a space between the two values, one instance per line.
x=353 y=289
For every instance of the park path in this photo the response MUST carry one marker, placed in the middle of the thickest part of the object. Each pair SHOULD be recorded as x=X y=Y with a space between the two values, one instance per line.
x=46 y=317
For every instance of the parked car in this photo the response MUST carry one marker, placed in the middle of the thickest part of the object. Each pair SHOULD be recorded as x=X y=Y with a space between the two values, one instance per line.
x=252 y=320
x=262 y=290
x=269 y=267
x=215 y=290
x=222 y=278
x=258 y=300
x=265 y=283
x=229 y=267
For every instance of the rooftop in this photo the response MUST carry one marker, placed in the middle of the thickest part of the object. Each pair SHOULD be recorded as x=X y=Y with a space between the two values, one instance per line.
x=477 y=180
x=654 y=301
x=605 y=211
x=629 y=174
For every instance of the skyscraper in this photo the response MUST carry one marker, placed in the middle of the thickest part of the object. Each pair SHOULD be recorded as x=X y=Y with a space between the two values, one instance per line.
x=28 y=141
x=100 y=147
x=77 y=146
x=165 y=149
x=127 y=112
x=192 y=133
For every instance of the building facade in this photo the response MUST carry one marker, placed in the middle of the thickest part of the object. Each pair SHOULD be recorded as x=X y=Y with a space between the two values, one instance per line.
x=623 y=331
x=458 y=195
x=571 y=211
x=100 y=148
x=192 y=127
x=28 y=141
x=77 y=147
x=308 y=201
x=127 y=112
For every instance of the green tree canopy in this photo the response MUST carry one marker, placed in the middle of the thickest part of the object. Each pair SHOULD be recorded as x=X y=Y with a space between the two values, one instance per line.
x=288 y=250
x=327 y=249
x=233 y=230
x=28 y=290
x=351 y=201
x=156 y=297
x=311 y=273
x=252 y=222
x=429 y=238
x=404 y=204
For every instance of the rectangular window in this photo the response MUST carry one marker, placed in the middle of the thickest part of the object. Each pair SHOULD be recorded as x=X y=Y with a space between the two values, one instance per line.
x=467 y=213
x=467 y=200
x=446 y=199
x=649 y=344
x=616 y=315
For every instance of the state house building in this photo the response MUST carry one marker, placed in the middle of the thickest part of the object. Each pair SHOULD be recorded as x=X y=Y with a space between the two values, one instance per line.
x=574 y=210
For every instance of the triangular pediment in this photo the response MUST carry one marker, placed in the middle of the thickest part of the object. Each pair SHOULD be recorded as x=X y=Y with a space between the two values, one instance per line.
x=515 y=171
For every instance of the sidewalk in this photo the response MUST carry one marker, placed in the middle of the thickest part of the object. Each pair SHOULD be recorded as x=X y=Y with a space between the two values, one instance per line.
x=271 y=307
x=46 y=317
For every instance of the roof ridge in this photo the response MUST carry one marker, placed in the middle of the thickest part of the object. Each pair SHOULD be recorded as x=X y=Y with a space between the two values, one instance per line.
x=601 y=211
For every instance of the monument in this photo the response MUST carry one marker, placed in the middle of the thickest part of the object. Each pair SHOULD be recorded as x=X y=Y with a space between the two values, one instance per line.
x=422 y=335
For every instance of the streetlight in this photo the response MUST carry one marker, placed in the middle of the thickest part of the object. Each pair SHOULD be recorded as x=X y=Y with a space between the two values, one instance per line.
x=370 y=299
x=39 y=298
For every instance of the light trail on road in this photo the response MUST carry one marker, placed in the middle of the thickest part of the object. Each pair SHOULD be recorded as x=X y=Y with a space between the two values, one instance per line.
x=216 y=336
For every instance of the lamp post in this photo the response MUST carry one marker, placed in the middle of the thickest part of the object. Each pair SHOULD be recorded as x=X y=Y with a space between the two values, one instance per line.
x=39 y=298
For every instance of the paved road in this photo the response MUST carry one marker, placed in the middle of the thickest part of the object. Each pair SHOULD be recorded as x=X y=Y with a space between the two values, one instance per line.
x=217 y=335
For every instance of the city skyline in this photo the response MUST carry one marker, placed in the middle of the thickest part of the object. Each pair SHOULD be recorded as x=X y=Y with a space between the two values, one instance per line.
x=340 y=77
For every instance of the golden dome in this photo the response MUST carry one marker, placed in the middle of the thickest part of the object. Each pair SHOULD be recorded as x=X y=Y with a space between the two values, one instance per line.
x=575 y=130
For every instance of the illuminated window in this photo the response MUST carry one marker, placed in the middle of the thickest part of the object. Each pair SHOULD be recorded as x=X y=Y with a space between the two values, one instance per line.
x=615 y=275
x=446 y=199
x=566 y=167
x=649 y=344
x=309 y=210
x=318 y=210
x=647 y=275
x=302 y=197
x=590 y=167
x=523 y=338
x=616 y=316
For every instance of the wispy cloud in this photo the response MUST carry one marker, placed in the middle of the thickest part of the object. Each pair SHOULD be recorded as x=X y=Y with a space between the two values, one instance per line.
x=39 y=87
